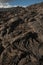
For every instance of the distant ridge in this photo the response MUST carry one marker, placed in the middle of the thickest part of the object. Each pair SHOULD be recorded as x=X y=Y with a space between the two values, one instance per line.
x=13 y=7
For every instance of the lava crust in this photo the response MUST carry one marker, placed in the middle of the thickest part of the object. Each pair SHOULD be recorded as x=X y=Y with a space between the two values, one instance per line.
x=21 y=35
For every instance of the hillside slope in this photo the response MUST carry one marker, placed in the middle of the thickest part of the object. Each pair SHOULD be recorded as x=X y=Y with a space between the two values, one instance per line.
x=21 y=35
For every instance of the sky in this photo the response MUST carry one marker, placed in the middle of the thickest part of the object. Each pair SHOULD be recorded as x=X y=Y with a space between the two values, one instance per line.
x=25 y=2
x=9 y=3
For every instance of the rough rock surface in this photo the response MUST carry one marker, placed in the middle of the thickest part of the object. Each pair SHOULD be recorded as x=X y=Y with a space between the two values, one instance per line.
x=21 y=35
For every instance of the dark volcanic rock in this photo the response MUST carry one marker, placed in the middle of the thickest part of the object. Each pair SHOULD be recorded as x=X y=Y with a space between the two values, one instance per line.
x=21 y=35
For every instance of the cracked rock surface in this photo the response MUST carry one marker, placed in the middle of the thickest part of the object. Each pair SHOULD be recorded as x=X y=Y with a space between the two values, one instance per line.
x=21 y=35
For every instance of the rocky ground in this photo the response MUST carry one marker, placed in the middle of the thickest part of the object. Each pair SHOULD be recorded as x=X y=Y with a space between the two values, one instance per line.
x=21 y=35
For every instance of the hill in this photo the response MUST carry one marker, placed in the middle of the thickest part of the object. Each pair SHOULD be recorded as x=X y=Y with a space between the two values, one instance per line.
x=21 y=35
